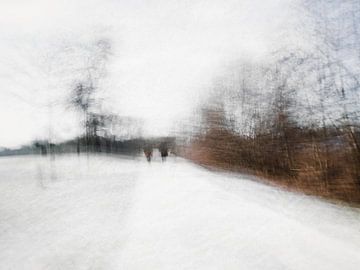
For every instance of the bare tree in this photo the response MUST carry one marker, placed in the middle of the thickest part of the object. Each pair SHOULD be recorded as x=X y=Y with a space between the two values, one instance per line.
x=84 y=95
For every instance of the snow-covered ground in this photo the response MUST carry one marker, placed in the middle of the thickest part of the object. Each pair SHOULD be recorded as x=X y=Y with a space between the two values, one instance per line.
x=109 y=212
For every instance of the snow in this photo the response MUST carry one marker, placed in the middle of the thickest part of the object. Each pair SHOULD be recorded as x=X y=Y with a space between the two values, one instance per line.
x=112 y=212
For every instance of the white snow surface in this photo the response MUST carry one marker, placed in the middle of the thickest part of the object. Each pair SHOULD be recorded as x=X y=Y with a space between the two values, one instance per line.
x=111 y=212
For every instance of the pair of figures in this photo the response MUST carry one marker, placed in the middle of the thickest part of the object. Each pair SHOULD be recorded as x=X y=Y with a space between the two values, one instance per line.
x=163 y=149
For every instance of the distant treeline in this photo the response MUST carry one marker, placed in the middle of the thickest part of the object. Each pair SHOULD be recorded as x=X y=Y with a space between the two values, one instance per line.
x=94 y=144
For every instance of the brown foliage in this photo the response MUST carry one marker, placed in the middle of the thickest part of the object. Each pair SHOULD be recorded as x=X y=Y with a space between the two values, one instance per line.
x=311 y=161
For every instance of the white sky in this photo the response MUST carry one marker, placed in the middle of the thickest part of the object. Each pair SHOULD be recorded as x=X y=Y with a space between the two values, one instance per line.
x=165 y=54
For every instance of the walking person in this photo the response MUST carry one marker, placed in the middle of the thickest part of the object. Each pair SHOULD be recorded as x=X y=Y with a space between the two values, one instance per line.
x=164 y=151
x=148 y=151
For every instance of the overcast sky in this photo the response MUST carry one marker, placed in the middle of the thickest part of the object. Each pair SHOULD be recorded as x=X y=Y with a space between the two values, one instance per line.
x=166 y=54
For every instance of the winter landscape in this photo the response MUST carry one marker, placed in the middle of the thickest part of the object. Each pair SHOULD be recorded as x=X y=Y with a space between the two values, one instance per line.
x=169 y=134
x=111 y=212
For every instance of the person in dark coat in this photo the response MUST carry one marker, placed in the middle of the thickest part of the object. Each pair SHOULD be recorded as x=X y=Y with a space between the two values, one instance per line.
x=164 y=151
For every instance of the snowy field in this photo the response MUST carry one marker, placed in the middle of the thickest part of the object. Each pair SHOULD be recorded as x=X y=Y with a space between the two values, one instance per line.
x=108 y=212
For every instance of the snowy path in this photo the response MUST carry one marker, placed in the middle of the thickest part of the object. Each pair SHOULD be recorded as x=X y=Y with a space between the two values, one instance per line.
x=112 y=213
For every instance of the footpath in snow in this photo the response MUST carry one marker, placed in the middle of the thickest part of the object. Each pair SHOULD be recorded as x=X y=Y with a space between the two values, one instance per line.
x=110 y=212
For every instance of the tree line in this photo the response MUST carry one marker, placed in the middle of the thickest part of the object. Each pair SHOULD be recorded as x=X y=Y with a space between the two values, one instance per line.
x=294 y=115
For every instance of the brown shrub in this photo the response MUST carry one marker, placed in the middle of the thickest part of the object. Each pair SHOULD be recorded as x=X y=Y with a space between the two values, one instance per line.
x=307 y=162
